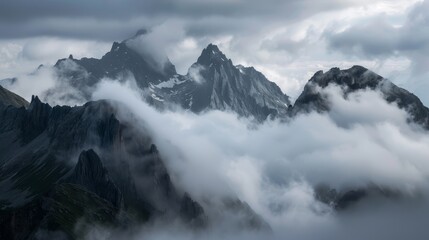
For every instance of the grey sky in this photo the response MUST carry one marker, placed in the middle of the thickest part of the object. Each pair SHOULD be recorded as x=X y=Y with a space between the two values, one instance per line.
x=67 y=18
x=287 y=40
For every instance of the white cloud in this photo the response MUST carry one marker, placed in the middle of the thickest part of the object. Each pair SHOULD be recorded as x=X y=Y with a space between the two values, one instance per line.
x=22 y=56
x=275 y=166
x=37 y=83
x=195 y=73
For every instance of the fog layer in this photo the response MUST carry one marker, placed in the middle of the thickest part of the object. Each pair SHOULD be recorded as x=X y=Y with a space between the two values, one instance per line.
x=362 y=142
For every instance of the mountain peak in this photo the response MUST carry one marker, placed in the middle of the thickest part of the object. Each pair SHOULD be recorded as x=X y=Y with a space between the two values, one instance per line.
x=211 y=54
x=213 y=47
x=358 y=68
x=356 y=77
x=355 y=70
x=36 y=103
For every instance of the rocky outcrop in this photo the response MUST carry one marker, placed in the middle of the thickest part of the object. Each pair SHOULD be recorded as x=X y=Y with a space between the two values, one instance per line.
x=340 y=200
x=212 y=82
x=36 y=145
x=123 y=58
x=192 y=212
x=126 y=174
x=236 y=88
x=154 y=178
x=90 y=173
x=36 y=120
x=354 y=79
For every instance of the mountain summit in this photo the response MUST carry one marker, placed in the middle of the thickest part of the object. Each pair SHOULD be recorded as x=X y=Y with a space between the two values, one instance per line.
x=212 y=82
x=211 y=54
x=120 y=62
x=354 y=79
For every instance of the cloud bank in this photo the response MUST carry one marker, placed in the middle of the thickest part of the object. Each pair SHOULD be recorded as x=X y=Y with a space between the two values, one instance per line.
x=275 y=167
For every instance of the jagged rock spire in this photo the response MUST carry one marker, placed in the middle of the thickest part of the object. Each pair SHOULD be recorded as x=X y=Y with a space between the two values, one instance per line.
x=90 y=173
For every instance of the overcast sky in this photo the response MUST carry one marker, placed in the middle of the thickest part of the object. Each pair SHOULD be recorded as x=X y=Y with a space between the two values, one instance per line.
x=288 y=40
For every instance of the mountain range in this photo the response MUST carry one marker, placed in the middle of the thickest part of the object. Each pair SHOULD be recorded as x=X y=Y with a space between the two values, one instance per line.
x=64 y=166
x=212 y=82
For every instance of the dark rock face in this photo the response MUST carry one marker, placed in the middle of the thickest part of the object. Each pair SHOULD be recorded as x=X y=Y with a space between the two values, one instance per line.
x=153 y=178
x=11 y=118
x=55 y=214
x=36 y=146
x=237 y=88
x=192 y=212
x=36 y=119
x=354 y=79
x=121 y=60
x=90 y=173
x=213 y=82
x=19 y=224
x=340 y=200
x=70 y=203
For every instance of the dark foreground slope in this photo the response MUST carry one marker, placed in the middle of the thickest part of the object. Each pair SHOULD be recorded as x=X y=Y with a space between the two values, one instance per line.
x=65 y=169
x=49 y=180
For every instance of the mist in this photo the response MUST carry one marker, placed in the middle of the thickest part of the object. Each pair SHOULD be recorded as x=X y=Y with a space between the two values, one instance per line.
x=359 y=170
x=153 y=44
x=47 y=83
x=362 y=142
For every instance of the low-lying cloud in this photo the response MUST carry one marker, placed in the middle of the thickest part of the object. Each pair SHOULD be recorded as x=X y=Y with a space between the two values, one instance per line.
x=363 y=142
